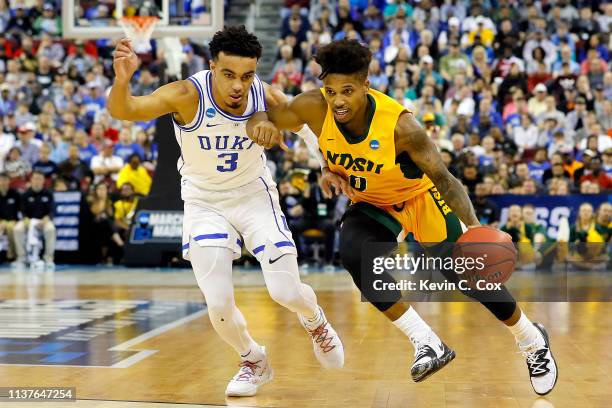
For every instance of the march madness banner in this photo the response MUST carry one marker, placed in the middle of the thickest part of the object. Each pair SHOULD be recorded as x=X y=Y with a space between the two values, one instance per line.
x=549 y=210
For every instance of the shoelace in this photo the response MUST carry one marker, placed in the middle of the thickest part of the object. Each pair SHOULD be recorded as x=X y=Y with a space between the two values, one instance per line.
x=320 y=336
x=247 y=370
x=536 y=361
x=424 y=351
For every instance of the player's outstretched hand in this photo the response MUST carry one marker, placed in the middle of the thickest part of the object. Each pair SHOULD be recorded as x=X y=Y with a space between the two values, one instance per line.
x=332 y=183
x=267 y=135
x=125 y=61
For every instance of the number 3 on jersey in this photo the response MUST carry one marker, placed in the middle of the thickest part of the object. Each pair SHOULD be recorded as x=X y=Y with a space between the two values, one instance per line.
x=358 y=183
x=230 y=162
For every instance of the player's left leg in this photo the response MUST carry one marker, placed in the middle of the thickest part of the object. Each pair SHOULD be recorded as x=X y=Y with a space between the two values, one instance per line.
x=266 y=234
x=436 y=223
x=367 y=233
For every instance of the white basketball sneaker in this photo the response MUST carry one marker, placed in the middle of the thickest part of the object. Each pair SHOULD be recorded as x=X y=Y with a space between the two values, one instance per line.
x=327 y=345
x=541 y=363
x=251 y=376
x=430 y=355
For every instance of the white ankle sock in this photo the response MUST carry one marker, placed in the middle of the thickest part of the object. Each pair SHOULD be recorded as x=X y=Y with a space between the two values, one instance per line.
x=312 y=322
x=411 y=324
x=254 y=353
x=525 y=332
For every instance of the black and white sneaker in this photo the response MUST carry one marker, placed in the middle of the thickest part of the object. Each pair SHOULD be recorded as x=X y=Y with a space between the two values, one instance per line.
x=429 y=357
x=541 y=364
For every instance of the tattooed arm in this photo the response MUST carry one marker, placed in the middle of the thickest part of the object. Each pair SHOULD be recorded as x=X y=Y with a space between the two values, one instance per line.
x=411 y=138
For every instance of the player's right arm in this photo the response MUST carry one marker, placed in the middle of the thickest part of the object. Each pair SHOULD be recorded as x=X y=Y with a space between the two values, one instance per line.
x=307 y=108
x=176 y=98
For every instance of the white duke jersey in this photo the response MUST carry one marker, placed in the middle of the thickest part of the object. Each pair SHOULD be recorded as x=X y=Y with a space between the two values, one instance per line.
x=216 y=153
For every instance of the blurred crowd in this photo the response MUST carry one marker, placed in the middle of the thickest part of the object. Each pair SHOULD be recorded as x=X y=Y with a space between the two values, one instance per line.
x=516 y=94
x=56 y=135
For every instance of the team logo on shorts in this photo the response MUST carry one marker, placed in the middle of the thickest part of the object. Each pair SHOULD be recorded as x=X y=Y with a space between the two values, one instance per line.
x=374 y=144
x=210 y=112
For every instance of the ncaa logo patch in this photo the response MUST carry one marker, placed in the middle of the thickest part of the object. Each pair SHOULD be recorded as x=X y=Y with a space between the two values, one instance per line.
x=374 y=144
x=143 y=218
x=210 y=112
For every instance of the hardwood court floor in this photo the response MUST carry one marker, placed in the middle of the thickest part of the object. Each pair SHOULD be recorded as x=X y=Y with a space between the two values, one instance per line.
x=188 y=364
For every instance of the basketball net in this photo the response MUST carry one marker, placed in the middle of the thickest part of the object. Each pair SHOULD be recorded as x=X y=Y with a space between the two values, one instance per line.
x=139 y=29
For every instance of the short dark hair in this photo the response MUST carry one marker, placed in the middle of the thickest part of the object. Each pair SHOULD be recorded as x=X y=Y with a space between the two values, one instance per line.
x=344 y=57
x=235 y=40
x=131 y=156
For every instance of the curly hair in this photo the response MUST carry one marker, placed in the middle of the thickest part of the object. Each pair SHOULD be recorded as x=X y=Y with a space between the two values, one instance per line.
x=344 y=57
x=235 y=40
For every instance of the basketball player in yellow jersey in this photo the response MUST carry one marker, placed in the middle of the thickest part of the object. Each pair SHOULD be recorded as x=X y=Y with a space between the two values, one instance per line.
x=379 y=155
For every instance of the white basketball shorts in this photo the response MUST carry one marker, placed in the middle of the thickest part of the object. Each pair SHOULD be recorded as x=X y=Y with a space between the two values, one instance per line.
x=247 y=216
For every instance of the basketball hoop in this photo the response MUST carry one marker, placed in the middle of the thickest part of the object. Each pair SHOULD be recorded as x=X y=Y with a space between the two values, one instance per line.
x=139 y=29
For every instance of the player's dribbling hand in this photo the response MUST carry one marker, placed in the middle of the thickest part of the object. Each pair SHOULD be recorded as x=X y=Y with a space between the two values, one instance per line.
x=332 y=183
x=125 y=61
x=267 y=135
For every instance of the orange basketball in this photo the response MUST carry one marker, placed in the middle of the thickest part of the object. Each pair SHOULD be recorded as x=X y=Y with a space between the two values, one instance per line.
x=493 y=256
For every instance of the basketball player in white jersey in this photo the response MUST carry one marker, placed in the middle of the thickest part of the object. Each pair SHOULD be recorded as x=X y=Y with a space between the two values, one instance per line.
x=230 y=198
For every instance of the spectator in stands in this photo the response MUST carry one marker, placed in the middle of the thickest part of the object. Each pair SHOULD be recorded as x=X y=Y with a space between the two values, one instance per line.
x=78 y=61
x=583 y=231
x=576 y=119
x=487 y=211
x=101 y=207
x=53 y=51
x=150 y=150
x=603 y=226
x=291 y=204
x=27 y=145
x=538 y=165
x=44 y=164
x=522 y=233
x=37 y=209
x=193 y=63
x=529 y=187
x=59 y=148
x=146 y=84
x=597 y=174
x=5 y=15
x=452 y=63
x=521 y=173
x=106 y=166
x=537 y=103
x=286 y=59
x=16 y=168
x=126 y=146
x=10 y=205
x=48 y=22
x=471 y=177
x=570 y=164
x=607 y=161
x=318 y=215
x=558 y=187
x=86 y=149
x=125 y=208
x=378 y=79
x=74 y=170
x=136 y=175
x=20 y=23
x=589 y=187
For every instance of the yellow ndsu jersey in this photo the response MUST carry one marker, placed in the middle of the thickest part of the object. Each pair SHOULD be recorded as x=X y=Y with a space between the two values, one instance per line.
x=370 y=162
